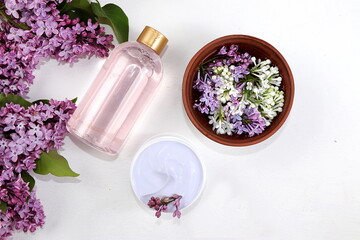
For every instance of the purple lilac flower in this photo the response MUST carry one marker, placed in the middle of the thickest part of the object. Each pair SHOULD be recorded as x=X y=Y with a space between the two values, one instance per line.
x=177 y=212
x=16 y=34
x=12 y=8
x=241 y=61
x=233 y=55
x=6 y=226
x=40 y=127
x=161 y=205
x=26 y=216
x=25 y=134
x=16 y=192
x=29 y=216
x=207 y=101
x=223 y=51
x=225 y=91
x=50 y=34
x=232 y=50
x=16 y=67
x=251 y=122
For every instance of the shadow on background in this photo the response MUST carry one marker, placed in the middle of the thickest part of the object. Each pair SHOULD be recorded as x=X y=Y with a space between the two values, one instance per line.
x=90 y=150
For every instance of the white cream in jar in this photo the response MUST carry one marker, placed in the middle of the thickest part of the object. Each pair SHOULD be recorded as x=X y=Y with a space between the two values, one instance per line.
x=167 y=166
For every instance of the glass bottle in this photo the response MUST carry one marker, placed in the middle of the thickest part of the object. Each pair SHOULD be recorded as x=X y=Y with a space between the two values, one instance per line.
x=120 y=92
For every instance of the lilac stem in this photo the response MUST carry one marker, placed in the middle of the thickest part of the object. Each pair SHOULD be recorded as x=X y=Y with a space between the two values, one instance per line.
x=11 y=21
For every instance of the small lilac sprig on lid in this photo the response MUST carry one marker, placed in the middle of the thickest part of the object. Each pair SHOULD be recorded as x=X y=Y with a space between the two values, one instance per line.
x=161 y=205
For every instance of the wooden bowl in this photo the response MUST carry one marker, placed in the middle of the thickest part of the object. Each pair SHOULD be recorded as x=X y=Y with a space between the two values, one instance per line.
x=255 y=47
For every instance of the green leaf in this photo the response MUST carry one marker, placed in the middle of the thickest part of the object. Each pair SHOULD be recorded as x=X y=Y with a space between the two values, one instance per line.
x=53 y=163
x=76 y=4
x=44 y=101
x=3 y=206
x=47 y=101
x=14 y=99
x=29 y=179
x=114 y=16
x=110 y=14
x=78 y=8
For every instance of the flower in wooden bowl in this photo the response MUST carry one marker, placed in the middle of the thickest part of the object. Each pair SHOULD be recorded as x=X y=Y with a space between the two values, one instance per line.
x=238 y=90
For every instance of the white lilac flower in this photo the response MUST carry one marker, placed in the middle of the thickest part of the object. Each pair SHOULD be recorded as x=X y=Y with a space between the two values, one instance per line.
x=220 y=125
x=272 y=102
x=235 y=107
x=226 y=89
x=268 y=75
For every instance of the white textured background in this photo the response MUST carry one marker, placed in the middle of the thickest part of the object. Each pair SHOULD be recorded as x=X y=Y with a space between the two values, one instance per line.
x=302 y=183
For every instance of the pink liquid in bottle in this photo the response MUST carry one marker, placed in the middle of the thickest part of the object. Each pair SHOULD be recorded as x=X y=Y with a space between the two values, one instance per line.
x=125 y=84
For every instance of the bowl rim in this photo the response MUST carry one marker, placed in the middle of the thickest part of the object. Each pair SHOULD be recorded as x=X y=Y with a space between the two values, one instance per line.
x=189 y=106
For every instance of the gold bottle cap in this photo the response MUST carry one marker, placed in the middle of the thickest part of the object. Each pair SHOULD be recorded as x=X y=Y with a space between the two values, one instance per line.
x=153 y=39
